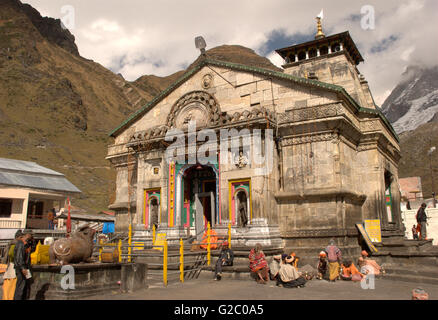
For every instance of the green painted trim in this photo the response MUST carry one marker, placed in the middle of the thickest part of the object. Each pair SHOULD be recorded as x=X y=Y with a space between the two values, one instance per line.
x=265 y=72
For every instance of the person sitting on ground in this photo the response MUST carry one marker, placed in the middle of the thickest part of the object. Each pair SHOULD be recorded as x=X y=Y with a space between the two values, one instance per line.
x=334 y=257
x=274 y=267
x=322 y=266
x=226 y=257
x=368 y=265
x=258 y=264
x=350 y=272
x=414 y=232
x=289 y=277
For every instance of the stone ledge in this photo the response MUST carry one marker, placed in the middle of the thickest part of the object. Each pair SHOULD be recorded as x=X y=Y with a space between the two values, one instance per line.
x=316 y=193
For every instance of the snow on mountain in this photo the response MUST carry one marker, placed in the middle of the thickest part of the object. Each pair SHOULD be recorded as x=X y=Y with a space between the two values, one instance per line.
x=414 y=101
x=422 y=110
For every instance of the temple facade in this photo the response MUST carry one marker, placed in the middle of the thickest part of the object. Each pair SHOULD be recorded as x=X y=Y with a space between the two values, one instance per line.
x=314 y=155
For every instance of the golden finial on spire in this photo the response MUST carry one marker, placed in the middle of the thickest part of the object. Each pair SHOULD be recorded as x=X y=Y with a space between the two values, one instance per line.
x=319 y=33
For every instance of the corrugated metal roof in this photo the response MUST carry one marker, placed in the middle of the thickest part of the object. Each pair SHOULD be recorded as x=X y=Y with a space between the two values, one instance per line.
x=59 y=183
x=31 y=175
x=25 y=166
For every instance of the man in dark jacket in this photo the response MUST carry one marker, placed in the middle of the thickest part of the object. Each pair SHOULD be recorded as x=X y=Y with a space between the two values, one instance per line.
x=226 y=258
x=21 y=265
x=422 y=221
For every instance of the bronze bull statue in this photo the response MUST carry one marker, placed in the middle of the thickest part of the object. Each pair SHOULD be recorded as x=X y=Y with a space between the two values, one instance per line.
x=78 y=248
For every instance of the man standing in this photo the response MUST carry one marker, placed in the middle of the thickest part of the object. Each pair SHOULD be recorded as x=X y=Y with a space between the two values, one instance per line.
x=422 y=221
x=22 y=266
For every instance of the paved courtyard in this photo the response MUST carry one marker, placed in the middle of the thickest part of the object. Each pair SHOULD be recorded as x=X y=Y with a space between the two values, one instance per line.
x=203 y=289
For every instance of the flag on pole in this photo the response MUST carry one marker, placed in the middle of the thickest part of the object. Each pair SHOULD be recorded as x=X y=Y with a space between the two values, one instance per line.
x=321 y=14
x=68 y=217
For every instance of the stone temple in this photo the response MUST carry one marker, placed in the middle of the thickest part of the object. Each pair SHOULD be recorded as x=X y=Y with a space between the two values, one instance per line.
x=330 y=156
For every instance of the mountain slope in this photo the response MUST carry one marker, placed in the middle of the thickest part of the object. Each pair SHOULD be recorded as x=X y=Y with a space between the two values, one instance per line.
x=415 y=160
x=230 y=53
x=414 y=101
x=56 y=107
x=412 y=108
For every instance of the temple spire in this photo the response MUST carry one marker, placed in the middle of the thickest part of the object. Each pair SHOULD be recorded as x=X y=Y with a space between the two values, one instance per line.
x=319 y=33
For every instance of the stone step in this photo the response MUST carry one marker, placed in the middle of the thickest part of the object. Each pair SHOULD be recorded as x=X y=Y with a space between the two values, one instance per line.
x=411 y=278
x=412 y=270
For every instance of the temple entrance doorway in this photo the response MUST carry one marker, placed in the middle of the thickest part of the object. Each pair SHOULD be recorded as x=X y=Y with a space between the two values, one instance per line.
x=199 y=203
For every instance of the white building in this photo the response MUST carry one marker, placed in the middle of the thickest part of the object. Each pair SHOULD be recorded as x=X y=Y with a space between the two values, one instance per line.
x=409 y=220
x=27 y=192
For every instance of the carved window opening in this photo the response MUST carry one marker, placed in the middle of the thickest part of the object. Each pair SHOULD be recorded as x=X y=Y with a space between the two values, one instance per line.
x=336 y=47
x=301 y=55
x=323 y=50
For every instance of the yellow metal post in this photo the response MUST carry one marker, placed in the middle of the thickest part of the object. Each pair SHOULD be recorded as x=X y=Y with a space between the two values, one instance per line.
x=229 y=235
x=165 y=262
x=208 y=245
x=120 y=250
x=100 y=249
x=153 y=234
x=129 y=242
x=181 y=260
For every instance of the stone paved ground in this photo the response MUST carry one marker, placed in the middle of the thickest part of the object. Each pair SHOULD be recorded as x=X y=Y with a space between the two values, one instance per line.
x=203 y=289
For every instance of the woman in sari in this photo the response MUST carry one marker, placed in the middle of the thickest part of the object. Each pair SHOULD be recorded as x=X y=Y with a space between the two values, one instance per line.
x=258 y=264
x=334 y=257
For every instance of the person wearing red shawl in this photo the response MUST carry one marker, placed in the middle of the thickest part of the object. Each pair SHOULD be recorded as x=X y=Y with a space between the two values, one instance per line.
x=258 y=264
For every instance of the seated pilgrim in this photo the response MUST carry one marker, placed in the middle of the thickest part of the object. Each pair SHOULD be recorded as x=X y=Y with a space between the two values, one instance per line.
x=350 y=272
x=369 y=265
x=274 y=267
x=226 y=257
x=258 y=264
x=289 y=277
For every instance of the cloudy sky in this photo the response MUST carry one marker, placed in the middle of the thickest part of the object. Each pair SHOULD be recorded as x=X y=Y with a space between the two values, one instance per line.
x=138 y=37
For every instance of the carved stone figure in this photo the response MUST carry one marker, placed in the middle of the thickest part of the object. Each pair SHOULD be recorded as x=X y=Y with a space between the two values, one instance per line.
x=77 y=248
x=242 y=160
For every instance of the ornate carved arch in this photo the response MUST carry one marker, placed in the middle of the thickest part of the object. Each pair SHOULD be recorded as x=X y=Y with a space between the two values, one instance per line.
x=196 y=105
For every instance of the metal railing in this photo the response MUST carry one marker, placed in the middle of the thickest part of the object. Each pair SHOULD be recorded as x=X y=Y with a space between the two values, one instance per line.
x=10 y=224
x=188 y=265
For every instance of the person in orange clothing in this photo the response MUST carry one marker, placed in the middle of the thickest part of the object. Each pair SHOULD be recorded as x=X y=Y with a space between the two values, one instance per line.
x=350 y=272
x=213 y=240
x=295 y=259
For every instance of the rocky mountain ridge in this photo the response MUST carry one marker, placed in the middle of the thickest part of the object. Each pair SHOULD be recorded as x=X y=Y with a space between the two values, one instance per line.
x=414 y=101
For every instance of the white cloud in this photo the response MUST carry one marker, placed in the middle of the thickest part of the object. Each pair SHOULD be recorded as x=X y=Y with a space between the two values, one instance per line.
x=157 y=37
